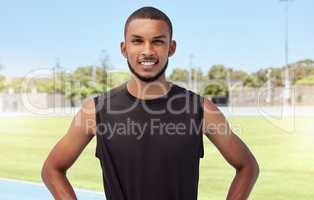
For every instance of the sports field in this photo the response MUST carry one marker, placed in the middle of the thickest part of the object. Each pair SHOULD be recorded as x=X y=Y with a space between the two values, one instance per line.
x=284 y=149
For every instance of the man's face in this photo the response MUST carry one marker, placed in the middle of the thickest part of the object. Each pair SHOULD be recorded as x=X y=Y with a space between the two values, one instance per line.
x=147 y=46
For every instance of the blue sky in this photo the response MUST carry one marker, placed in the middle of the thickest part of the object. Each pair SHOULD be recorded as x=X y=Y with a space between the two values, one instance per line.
x=242 y=34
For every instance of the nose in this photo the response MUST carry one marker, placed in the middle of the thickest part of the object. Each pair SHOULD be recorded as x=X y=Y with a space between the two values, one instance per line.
x=148 y=49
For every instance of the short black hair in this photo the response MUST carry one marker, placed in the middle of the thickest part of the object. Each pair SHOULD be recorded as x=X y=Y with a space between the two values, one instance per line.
x=149 y=12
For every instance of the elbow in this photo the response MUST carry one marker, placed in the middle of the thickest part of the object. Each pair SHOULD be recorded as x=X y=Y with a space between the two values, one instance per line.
x=45 y=173
x=48 y=172
x=253 y=171
x=250 y=168
x=257 y=169
x=253 y=168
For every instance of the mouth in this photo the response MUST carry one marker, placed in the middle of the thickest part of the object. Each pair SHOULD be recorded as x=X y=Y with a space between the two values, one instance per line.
x=148 y=64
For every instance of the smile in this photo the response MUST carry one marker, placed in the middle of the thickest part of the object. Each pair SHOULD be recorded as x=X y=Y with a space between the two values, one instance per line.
x=148 y=64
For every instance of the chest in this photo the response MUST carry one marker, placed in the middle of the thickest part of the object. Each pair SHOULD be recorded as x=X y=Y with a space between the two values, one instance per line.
x=163 y=136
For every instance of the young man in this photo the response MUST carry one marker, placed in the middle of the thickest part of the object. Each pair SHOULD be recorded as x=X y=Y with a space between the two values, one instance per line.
x=149 y=131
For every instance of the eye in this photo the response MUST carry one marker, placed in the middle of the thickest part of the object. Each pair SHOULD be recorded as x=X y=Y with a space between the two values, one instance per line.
x=158 y=42
x=136 y=41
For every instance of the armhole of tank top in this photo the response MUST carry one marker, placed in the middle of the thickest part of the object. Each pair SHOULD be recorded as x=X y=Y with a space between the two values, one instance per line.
x=201 y=104
x=97 y=150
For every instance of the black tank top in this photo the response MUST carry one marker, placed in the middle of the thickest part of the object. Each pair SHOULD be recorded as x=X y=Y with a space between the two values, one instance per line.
x=149 y=149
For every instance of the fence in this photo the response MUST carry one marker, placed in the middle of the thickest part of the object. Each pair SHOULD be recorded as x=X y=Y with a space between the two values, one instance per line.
x=238 y=96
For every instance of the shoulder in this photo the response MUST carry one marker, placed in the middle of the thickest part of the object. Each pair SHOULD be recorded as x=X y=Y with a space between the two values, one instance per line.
x=110 y=94
x=211 y=111
x=208 y=105
x=92 y=105
x=86 y=116
x=182 y=90
x=213 y=117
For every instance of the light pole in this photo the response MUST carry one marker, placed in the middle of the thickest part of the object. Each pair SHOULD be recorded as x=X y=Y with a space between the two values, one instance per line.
x=190 y=83
x=286 y=94
x=56 y=70
x=269 y=87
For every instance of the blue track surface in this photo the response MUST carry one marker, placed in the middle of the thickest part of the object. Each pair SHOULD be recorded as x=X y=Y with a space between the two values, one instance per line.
x=20 y=190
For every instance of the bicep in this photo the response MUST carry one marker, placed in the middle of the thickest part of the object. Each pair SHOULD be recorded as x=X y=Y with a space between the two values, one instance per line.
x=79 y=134
x=218 y=130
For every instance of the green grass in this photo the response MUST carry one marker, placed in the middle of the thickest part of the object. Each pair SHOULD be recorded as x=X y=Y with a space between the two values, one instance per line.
x=284 y=149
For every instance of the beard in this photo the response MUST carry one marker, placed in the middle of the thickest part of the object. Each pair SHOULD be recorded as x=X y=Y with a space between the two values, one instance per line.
x=148 y=79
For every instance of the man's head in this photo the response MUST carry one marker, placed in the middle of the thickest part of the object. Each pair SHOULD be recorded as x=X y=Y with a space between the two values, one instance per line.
x=148 y=43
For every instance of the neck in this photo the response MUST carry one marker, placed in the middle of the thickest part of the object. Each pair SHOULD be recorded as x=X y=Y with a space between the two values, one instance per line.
x=150 y=90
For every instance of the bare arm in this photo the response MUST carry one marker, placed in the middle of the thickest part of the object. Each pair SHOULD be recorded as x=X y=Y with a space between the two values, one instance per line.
x=233 y=150
x=67 y=150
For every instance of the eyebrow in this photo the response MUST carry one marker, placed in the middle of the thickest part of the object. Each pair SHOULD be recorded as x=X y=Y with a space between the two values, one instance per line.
x=136 y=36
x=160 y=37
x=156 y=37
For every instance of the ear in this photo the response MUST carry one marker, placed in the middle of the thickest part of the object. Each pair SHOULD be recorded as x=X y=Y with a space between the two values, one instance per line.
x=172 y=49
x=123 y=49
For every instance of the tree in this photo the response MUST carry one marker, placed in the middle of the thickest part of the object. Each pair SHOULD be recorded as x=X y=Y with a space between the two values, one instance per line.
x=216 y=89
x=3 y=84
x=17 y=85
x=197 y=74
x=257 y=79
x=83 y=83
x=276 y=76
x=305 y=63
x=53 y=84
x=117 y=78
x=102 y=77
x=309 y=81
x=253 y=81
x=301 y=69
x=72 y=91
x=77 y=85
x=179 y=75
x=217 y=72
x=44 y=85
x=237 y=75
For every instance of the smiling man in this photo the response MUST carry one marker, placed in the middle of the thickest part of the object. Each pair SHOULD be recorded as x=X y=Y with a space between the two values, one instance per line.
x=149 y=131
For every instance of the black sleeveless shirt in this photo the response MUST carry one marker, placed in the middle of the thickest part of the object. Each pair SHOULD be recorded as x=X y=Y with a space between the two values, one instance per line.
x=149 y=149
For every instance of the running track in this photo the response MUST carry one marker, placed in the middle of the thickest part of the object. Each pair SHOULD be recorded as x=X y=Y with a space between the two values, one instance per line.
x=23 y=190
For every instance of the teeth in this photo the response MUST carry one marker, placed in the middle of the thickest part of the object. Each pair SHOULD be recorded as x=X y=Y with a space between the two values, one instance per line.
x=147 y=63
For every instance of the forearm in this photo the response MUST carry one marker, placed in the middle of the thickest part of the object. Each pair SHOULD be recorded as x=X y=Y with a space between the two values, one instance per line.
x=243 y=182
x=58 y=184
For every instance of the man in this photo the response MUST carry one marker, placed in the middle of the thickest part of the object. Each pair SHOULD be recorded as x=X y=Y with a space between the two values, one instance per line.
x=149 y=131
